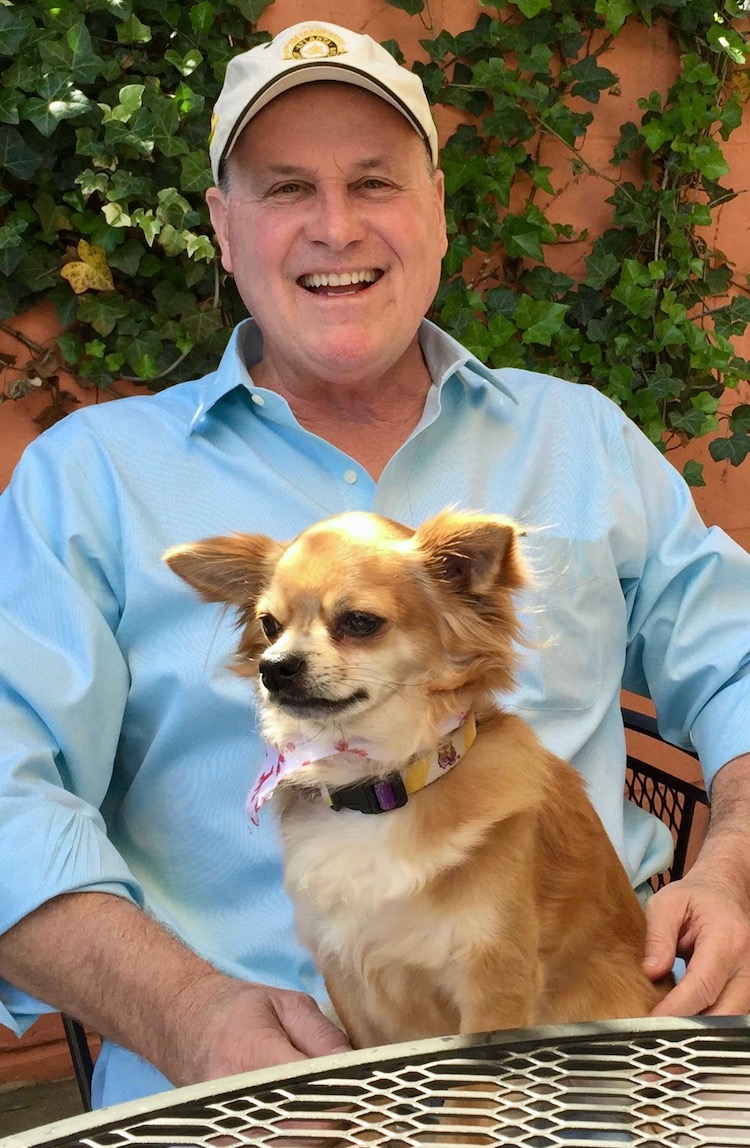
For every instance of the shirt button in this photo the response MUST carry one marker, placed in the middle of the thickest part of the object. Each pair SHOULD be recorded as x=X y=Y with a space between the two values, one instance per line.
x=350 y=476
x=258 y=400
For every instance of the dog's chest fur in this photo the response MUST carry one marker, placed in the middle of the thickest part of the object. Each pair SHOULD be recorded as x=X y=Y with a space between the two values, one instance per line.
x=365 y=901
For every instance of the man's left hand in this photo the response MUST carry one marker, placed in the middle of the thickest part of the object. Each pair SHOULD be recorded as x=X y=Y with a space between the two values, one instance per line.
x=703 y=920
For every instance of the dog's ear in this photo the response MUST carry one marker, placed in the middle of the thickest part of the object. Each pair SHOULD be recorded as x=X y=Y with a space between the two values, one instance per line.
x=233 y=568
x=472 y=553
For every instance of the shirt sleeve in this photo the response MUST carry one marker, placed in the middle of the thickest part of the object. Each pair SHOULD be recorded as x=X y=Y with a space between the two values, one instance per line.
x=688 y=614
x=63 y=688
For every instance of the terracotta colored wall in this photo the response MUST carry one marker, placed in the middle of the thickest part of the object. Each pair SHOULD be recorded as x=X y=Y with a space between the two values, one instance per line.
x=644 y=60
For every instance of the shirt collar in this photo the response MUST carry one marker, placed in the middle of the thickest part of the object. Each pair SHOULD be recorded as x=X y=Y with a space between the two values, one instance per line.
x=444 y=356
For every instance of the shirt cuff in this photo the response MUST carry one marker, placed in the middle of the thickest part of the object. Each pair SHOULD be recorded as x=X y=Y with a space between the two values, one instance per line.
x=721 y=731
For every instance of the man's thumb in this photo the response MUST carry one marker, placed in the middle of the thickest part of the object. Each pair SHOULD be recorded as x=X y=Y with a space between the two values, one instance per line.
x=662 y=930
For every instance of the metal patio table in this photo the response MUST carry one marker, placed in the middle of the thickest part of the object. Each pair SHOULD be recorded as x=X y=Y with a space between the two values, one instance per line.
x=661 y=1083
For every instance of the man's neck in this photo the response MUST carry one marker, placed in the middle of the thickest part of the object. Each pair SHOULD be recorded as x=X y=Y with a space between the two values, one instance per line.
x=368 y=419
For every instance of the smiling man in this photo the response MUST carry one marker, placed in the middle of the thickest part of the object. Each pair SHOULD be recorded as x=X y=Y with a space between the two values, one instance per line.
x=131 y=893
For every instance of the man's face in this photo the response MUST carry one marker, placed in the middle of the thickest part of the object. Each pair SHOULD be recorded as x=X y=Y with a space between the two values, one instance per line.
x=331 y=181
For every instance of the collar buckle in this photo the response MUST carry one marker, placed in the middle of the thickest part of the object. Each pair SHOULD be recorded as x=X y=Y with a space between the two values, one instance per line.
x=377 y=797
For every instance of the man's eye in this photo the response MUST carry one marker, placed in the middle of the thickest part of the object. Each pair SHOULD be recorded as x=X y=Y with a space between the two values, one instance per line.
x=270 y=627
x=286 y=190
x=358 y=624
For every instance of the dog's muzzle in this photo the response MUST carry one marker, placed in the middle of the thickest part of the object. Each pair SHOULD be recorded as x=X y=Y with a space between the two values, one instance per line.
x=287 y=680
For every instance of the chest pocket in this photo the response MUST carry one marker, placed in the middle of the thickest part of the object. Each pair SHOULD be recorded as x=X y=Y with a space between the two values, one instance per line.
x=563 y=620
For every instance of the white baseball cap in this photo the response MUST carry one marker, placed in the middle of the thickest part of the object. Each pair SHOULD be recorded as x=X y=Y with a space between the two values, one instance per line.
x=300 y=55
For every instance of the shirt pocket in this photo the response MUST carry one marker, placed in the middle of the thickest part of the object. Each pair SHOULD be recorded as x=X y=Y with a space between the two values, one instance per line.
x=562 y=620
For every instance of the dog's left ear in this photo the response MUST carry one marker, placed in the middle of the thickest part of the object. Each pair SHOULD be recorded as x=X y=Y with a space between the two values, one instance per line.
x=233 y=569
x=472 y=553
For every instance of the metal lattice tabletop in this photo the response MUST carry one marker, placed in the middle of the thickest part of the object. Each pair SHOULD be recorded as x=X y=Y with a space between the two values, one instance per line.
x=650 y=1084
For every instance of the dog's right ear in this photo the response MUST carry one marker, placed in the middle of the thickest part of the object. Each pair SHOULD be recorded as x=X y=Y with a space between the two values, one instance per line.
x=471 y=553
x=233 y=568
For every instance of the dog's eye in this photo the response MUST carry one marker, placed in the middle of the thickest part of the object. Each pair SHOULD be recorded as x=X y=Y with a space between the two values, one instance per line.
x=270 y=627
x=358 y=624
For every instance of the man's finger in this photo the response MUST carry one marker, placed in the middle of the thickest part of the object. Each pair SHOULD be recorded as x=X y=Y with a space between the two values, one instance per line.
x=312 y=1033
x=663 y=924
x=697 y=992
x=734 y=999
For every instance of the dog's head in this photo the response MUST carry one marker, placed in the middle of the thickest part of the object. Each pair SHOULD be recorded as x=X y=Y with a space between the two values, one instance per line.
x=365 y=627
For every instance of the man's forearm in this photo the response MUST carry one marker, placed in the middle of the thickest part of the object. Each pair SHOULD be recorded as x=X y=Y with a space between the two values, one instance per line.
x=724 y=853
x=104 y=961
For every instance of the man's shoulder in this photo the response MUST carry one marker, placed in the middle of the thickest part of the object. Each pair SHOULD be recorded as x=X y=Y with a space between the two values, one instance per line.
x=541 y=390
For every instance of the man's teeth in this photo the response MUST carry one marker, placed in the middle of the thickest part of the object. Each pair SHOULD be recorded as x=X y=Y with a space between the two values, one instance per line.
x=345 y=279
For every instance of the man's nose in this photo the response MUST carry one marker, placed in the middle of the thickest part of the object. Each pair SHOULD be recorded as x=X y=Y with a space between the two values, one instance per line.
x=279 y=672
x=336 y=218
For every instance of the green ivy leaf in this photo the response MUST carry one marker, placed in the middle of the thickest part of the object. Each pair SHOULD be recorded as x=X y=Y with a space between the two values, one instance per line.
x=733 y=450
x=692 y=472
x=133 y=31
x=531 y=8
x=615 y=13
x=16 y=26
x=45 y=115
x=600 y=269
x=73 y=54
x=9 y=105
x=101 y=311
x=522 y=238
x=591 y=79
x=16 y=157
x=539 y=320
x=251 y=10
x=739 y=419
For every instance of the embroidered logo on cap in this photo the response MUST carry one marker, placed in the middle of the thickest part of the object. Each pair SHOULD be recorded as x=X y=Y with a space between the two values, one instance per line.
x=314 y=44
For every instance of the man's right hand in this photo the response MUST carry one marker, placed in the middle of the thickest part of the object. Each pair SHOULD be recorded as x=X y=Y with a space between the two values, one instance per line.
x=242 y=1027
x=126 y=977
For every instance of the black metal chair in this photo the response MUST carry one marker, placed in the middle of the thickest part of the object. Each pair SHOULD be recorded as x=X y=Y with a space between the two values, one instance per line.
x=670 y=798
x=673 y=800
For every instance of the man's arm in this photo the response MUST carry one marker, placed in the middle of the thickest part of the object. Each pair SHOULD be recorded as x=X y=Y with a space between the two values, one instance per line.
x=101 y=959
x=705 y=917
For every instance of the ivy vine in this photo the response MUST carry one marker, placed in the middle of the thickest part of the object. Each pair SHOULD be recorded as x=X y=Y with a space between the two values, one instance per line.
x=104 y=110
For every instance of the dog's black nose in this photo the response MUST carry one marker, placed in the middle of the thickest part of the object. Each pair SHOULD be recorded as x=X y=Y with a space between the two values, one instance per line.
x=279 y=673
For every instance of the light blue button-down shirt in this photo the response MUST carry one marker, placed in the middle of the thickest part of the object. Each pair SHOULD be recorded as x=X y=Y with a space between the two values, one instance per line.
x=127 y=747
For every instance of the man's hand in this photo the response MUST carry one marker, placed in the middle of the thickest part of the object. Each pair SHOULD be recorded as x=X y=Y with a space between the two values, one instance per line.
x=241 y=1027
x=702 y=923
x=141 y=987
x=705 y=917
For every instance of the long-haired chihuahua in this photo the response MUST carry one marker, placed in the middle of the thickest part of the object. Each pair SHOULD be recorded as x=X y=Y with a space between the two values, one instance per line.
x=449 y=874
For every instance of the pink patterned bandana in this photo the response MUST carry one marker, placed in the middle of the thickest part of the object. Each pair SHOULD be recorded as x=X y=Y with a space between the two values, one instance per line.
x=280 y=763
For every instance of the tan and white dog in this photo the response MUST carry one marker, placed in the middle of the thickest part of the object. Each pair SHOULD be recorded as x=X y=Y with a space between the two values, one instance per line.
x=449 y=874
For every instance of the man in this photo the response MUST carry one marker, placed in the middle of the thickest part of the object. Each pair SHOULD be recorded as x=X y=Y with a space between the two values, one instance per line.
x=128 y=747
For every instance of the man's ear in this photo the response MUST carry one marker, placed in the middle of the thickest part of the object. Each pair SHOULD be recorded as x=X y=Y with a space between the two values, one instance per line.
x=216 y=202
x=233 y=568
x=472 y=553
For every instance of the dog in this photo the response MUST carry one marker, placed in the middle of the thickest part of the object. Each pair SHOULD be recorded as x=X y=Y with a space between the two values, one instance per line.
x=449 y=874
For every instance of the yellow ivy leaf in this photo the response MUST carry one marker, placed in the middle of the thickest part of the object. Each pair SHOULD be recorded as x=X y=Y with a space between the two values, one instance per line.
x=91 y=273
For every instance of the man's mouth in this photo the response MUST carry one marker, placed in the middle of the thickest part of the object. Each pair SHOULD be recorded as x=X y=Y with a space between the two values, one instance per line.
x=340 y=283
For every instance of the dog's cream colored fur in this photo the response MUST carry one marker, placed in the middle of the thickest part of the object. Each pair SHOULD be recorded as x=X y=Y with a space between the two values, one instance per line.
x=493 y=898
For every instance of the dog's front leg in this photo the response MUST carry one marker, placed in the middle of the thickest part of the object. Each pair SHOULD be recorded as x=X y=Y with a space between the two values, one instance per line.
x=500 y=990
